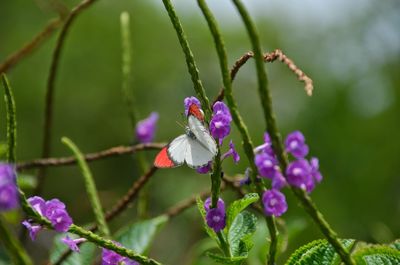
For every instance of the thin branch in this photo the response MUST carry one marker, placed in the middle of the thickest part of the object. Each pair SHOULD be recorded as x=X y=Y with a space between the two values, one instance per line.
x=31 y=46
x=270 y=57
x=48 y=112
x=70 y=160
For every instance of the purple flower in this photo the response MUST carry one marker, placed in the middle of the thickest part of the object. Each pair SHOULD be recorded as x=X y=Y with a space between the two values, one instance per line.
x=220 y=126
x=38 y=204
x=278 y=181
x=33 y=229
x=216 y=219
x=73 y=243
x=189 y=101
x=145 y=129
x=315 y=169
x=231 y=152
x=205 y=169
x=220 y=108
x=8 y=189
x=298 y=174
x=267 y=165
x=109 y=257
x=8 y=197
x=274 y=202
x=295 y=144
x=60 y=220
x=266 y=147
x=220 y=204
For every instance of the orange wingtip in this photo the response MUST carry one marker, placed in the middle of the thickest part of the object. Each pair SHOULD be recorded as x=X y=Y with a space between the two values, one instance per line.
x=196 y=111
x=162 y=160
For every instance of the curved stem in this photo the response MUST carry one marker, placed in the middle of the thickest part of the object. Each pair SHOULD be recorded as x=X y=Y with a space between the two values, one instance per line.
x=90 y=187
x=191 y=64
x=247 y=144
x=277 y=145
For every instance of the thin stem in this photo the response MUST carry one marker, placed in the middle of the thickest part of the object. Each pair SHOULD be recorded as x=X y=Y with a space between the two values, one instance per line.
x=247 y=145
x=11 y=121
x=48 y=112
x=191 y=64
x=13 y=246
x=31 y=46
x=272 y=129
x=71 y=160
x=90 y=187
x=223 y=244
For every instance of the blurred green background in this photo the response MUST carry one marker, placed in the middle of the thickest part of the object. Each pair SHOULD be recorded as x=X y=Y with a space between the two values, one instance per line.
x=351 y=49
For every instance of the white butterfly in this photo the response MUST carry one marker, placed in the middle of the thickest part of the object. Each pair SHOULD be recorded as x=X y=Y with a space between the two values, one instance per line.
x=196 y=147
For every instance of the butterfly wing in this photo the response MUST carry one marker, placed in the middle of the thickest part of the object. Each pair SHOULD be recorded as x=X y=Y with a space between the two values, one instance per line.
x=202 y=134
x=177 y=149
x=197 y=155
x=162 y=159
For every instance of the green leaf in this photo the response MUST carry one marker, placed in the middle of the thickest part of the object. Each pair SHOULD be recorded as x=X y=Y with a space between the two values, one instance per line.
x=26 y=182
x=138 y=236
x=239 y=205
x=377 y=255
x=225 y=260
x=242 y=228
x=318 y=252
x=210 y=232
x=395 y=244
x=86 y=255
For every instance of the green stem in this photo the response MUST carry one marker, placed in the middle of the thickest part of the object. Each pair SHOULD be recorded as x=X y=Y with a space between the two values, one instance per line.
x=13 y=246
x=130 y=103
x=272 y=129
x=191 y=64
x=90 y=186
x=11 y=121
x=224 y=245
x=247 y=144
x=216 y=179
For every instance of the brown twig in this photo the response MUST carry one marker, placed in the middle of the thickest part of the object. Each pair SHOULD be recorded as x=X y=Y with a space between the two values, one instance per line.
x=29 y=47
x=70 y=160
x=270 y=57
x=48 y=112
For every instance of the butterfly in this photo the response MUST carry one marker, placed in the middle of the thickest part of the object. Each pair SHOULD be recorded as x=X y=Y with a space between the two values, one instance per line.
x=196 y=147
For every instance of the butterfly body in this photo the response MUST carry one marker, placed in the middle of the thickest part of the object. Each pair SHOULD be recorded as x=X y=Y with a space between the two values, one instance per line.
x=196 y=147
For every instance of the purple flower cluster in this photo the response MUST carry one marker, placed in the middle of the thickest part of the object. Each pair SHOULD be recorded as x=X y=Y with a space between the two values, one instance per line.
x=146 y=129
x=220 y=125
x=231 y=152
x=300 y=173
x=110 y=257
x=54 y=210
x=8 y=188
x=215 y=217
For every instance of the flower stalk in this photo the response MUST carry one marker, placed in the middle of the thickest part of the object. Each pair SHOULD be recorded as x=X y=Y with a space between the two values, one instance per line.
x=272 y=129
x=90 y=187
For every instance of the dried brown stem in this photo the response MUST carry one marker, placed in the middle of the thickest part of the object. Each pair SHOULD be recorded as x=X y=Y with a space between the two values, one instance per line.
x=70 y=160
x=30 y=47
x=48 y=112
x=270 y=57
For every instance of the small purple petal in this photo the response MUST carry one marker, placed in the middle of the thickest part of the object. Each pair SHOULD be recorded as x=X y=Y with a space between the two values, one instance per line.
x=146 y=129
x=215 y=219
x=60 y=220
x=314 y=162
x=220 y=108
x=220 y=204
x=298 y=174
x=278 y=181
x=295 y=144
x=8 y=197
x=189 y=101
x=72 y=243
x=220 y=126
x=38 y=204
x=109 y=257
x=274 y=203
x=33 y=229
x=231 y=152
x=204 y=170
x=7 y=174
x=267 y=165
